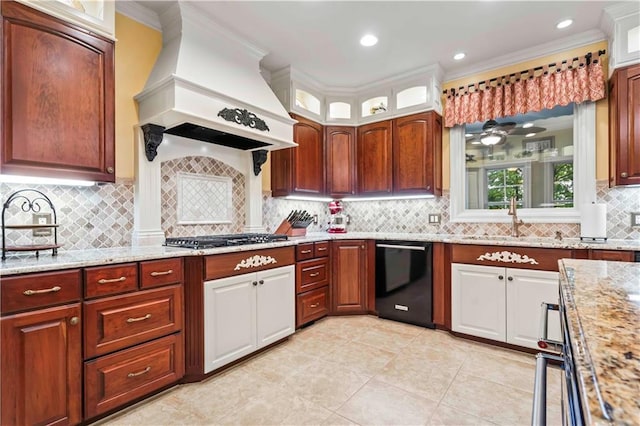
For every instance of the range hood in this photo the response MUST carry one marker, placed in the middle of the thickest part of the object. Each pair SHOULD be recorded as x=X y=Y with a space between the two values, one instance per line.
x=206 y=85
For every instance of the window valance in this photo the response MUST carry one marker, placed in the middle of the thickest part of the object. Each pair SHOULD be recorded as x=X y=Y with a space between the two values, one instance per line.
x=576 y=80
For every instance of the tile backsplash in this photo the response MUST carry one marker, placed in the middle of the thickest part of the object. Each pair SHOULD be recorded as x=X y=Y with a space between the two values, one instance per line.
x=102 y=216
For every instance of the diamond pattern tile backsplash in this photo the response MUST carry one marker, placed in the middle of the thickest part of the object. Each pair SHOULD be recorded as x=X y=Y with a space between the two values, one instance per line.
x=202 y=166
x=102 y=216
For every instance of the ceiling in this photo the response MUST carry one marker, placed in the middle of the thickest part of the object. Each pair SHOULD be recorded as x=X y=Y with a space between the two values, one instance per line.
x=321 y=38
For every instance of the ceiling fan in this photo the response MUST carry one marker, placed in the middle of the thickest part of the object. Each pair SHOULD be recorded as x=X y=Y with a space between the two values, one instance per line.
x=494 y=133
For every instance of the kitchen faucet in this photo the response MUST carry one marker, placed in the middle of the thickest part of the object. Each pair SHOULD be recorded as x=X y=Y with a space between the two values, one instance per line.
x=515 y=222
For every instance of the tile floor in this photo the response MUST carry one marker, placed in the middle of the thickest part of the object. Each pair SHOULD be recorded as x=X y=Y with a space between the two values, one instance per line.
x=359 y=370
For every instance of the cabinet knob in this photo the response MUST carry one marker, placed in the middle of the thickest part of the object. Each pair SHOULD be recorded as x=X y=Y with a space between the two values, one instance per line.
x=624 y=175
x=428 y=187
x=261 y=282
x=500 y=277
x=510 y=278
x=74 y=320
x=362 y=246
x=255 y=283
x=110 y=170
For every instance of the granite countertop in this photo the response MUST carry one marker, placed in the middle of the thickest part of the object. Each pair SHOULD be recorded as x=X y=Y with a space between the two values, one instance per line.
x=20 y=263
x=602 y=304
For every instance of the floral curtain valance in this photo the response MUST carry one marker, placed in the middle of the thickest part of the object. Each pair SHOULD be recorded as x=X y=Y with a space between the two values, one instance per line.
x=578 y=80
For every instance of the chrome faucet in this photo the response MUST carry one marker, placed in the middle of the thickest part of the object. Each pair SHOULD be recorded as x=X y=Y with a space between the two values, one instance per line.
x=515 y=222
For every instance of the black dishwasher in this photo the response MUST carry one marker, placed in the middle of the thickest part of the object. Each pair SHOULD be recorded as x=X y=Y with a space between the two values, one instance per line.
x=404 y=282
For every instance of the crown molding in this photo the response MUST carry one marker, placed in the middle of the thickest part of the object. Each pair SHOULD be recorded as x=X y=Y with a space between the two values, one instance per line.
x=541 y=50
x=139 y=13
x=622 y=10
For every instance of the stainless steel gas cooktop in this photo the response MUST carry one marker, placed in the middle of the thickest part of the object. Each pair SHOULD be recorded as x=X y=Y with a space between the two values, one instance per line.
x=211 y=241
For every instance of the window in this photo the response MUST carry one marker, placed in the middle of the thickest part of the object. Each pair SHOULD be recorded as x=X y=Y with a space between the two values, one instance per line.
x=551 y=172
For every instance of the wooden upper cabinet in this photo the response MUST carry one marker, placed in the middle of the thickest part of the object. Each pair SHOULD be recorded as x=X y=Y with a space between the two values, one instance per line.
x=340 y=148
x=624 y=126
x=373 y=156
x=417 y=154
x=57 y=98
x=300 y=170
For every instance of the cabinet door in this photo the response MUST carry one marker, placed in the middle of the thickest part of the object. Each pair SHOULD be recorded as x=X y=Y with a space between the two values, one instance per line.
x=526 y=290
x=417 y=154
x=349 y=276
x=57 y=98
x=373 y=155
x=308 y=163
x=340 y=146
x=624 y=126
x=276 y=305
x=478 y=301
x=229 y=319
x=42 y=367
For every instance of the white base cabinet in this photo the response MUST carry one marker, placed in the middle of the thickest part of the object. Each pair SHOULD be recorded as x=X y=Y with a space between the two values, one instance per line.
x=503 y=304
x=247 y=312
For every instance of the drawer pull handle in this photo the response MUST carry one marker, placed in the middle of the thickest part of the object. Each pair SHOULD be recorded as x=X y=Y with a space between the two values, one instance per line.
x=305 y=251
x=146 y=317
x=157 y=274
x=139 y=373
x=46 y=290
x=113 y=280
x=315 y=274
x=322 y=248
x=315 y=305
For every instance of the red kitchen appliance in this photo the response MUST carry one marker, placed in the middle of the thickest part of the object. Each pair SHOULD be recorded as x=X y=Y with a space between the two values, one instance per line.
x=338 y=221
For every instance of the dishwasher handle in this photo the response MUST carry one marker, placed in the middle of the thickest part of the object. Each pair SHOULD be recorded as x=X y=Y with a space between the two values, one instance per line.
x=543 y=341
x=539 y=410
x=395 y=246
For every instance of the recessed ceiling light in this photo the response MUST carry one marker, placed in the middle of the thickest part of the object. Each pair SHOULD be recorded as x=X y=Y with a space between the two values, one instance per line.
x=564 y=24
x=528 y=135
x=368 y=40
x=527 y=125
x=459 y=56
x=468 y=135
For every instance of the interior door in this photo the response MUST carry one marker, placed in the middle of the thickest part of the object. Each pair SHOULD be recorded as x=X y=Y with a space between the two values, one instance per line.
x=526 y=290
x=478 y=301
x=275 y=304
x=229 y=319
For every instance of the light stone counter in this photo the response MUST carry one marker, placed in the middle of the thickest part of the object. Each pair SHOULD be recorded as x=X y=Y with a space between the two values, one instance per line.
x=27 y=262
x=602 y=303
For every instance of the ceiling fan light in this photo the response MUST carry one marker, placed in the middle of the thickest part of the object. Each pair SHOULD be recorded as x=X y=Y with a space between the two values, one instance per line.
x=490 y=139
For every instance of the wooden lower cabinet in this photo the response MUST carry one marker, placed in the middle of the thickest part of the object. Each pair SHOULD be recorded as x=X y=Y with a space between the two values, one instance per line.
x=312 y=305
x=350 y=278
x=612 y=255
x=41 y=365
x=113 y=380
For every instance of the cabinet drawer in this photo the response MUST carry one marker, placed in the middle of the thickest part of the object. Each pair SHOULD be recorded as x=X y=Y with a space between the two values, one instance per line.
x=321 y=249
x=513 y=257
x=312 y=305
x=117 y=322
x=116 y=379
x=304 y=251
x=38 y=290
x=157 y=273
x=612 y=255
x=108 y=280
x=312 y=274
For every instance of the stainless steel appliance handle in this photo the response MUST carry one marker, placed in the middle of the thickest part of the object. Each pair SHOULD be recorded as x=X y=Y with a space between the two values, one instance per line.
x=539 y=410
x=543 y=341
x=420 y=248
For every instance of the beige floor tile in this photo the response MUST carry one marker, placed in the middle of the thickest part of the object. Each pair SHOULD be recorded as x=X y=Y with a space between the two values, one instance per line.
x=449 y=416
x=505 y=371
x=166 y=410
x=336 y=420
x=364 y=359
x=399 y=327
x=347 y=327
x=430 y=339
x=317 y=344
x=283 y=408
x=490 y=401
x=419 y=375
x=326 y=383
x=393 y=341
x=380 y=404
x=278 y=363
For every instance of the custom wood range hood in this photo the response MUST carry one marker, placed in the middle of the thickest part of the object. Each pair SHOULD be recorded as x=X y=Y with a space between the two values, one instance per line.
x=204 y=97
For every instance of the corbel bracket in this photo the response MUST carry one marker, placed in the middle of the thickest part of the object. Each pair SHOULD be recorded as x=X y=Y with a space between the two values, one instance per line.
x=259 y=158
x=152 y=139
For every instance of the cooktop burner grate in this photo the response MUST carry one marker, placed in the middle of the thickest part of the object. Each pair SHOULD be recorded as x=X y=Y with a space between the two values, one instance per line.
x=224 y=240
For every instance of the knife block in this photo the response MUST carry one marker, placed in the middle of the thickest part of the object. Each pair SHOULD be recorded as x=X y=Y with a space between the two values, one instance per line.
x=286 y=228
